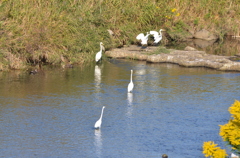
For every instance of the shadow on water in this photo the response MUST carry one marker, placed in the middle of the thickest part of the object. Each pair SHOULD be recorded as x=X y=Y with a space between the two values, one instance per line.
x=172 y=110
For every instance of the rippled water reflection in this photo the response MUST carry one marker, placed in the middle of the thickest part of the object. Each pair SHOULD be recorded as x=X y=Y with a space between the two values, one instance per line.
x=172 y=110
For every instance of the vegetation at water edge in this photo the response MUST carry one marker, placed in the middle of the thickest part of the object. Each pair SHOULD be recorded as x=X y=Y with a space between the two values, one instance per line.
x=57 y=31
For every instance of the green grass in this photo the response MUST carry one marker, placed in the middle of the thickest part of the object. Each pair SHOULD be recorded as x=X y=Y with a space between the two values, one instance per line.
x=43 y=31
x=159 y=50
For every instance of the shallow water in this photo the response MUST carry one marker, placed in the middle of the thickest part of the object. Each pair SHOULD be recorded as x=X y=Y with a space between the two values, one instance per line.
x=172 y=110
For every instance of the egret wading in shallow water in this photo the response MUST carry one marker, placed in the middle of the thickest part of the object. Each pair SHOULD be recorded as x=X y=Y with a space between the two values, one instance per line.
x=130 y=85
x=99 y=122
x=143 y=39
x=98 y=56
x=157 y=36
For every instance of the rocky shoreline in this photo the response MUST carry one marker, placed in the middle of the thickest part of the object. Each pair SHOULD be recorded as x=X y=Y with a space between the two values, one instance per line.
x=189 y=57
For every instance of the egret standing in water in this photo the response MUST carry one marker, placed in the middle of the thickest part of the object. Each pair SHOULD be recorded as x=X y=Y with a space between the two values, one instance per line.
x=157 y=36
x=130 y=85
x=98 y=56
x=99 y=122
x=143 y=39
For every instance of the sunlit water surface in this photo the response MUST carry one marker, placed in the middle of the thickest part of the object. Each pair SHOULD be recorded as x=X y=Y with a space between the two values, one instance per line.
x=172 y=111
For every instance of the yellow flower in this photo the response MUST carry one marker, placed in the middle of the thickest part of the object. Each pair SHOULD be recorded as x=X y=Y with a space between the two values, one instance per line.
x=177 y=14
x=157 y=7
x=230 y=132
x=211 y=150
x=168 y=17
x=174 y=9
x=235 y=110
x=220 y=153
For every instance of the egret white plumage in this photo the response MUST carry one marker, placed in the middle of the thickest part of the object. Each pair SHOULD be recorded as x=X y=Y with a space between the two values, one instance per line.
x=98 y=56
x=143 y=39
x=157 y=36
x=234 y=156
x=99 y=122
x=130 y=85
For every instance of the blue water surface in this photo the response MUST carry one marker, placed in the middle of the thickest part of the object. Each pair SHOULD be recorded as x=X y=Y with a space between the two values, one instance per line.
x=172 y=111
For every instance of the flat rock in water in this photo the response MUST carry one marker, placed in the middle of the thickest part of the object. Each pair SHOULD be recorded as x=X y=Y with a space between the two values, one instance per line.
x=187 y=58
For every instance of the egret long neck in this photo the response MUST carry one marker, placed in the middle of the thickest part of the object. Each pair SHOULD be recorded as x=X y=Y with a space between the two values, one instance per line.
x=147 y=35
x=160 y=32
x=101 y=48
x=101 y=114
x=131 y=76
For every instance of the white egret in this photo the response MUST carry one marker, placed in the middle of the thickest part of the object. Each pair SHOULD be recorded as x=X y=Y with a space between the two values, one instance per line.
x=99 y=122
x=99 y=54
x=234 y=156
x=157 y=36
x=130 y=85
x=143 y=39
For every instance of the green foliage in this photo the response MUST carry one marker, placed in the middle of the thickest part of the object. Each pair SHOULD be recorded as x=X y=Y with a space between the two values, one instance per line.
x=163 y=50
x=196 y=21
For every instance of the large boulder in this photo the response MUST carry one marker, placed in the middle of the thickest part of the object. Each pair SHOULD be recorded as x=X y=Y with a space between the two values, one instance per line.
x=205 y=34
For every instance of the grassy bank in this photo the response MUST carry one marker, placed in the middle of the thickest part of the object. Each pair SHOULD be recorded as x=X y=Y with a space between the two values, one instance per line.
x=34 y=31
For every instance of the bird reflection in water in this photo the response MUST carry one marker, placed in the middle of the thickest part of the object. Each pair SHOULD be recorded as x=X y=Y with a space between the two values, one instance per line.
x=129 y=108
x=98 y=142
x=97 y=75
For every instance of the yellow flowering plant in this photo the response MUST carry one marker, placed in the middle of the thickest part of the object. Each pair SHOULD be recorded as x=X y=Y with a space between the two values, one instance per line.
x=230 y=133
x=172 y=14
x=171 y=17
x=173 y=10
x=211 y=150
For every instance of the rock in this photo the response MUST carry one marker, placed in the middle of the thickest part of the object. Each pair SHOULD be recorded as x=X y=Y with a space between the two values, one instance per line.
x=188 y=48
x=203 y=43
x=205 y=34
x=33 y=72
x=232 y=66
x=185 y=58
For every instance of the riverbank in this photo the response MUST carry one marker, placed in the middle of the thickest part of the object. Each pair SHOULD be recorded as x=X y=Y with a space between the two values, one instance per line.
x=34 y=32
x=189 y=57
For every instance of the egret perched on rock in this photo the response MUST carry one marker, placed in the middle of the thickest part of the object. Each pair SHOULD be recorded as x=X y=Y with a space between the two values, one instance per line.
x=157 y=36
x=130 y=85
x=98 y=56
x=143 y=39
x=99 y=122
